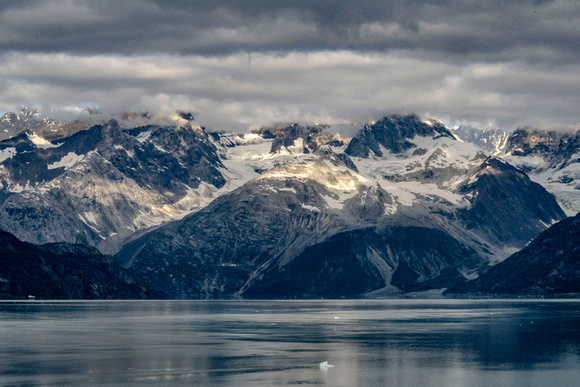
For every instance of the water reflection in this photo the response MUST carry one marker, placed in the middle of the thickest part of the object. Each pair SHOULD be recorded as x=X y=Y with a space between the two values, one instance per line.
x=252 y=343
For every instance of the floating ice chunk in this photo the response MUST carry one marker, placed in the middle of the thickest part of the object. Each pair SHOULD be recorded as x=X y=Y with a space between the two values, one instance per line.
x=324 y=365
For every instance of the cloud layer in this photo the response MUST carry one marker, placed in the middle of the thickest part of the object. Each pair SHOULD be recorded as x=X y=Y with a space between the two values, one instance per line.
x=244 y=64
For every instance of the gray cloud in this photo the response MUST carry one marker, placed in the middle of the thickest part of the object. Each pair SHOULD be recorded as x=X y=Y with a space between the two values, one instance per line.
x=240 y=64
x=485 y=29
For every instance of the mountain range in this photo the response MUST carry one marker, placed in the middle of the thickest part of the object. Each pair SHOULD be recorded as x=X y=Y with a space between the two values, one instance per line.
x=287 y=211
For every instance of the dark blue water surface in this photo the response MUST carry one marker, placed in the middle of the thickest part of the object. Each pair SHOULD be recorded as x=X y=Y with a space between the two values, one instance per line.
x=266 y=343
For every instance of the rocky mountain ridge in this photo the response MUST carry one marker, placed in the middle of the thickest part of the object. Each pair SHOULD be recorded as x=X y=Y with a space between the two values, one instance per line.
x=103 y=184
x=424 y=209
x=492 y=141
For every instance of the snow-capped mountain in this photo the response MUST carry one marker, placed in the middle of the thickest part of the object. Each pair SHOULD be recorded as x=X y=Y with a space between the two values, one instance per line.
x=404 y=206
x=104 y=184
x=492 y=141
x=14 y=123
x=550 y=158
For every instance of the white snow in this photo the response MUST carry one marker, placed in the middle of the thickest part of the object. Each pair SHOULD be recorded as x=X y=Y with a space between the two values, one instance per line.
x=337 y=202
x=17 y=188
x=88 y=223
x=143 y=136
x=552 y=178
x=67 y=161
x=41 y=142
x=310 y=208
x=7 y=153
x=521 y=161
x=91 y=217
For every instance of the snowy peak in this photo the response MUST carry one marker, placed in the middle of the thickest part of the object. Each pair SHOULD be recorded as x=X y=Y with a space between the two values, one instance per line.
x=552 y=159
x=394 y=133
x=14 y=123
x=296 y=138
x=339 y=160
x=371 y=204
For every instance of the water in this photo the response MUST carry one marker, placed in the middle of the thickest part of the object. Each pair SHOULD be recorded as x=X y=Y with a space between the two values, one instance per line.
x=266 y=343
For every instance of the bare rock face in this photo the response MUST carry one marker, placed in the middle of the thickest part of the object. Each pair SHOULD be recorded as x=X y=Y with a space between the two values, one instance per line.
x=499 y=191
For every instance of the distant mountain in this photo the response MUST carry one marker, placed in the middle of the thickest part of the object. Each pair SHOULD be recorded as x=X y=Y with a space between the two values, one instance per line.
x=548 y=266
x=393 y=134
x=550 y=158
x=403 y=207
x=492 y=141
x=14 y=123
x=62 y=271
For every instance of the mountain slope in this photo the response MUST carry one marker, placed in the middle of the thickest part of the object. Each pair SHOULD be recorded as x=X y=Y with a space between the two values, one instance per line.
x=548 y=266
x=501 y=197
x=62 y=271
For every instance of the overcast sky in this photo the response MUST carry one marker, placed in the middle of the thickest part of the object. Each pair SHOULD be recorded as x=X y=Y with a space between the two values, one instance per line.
x=243 y=64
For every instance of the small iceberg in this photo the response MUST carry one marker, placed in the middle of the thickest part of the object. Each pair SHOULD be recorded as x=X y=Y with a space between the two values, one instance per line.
x=324 y=365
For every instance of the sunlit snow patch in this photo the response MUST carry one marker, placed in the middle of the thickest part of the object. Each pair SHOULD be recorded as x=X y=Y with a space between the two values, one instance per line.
x=191 y=202
x=7 y=153
x=41 y=142
x=67 y=161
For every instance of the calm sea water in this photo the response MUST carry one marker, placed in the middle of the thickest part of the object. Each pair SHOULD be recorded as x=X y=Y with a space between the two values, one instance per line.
x=266 y=343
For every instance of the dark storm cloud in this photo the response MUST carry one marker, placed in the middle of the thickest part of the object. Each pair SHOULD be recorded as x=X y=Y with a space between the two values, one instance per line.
x=489 y=30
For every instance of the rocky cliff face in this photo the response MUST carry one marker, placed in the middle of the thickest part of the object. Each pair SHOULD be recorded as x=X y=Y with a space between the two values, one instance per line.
x=499 y=191
x=548 y=266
